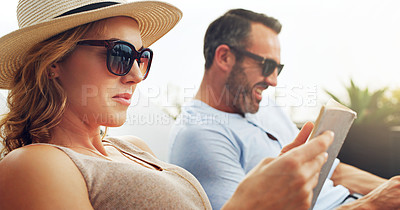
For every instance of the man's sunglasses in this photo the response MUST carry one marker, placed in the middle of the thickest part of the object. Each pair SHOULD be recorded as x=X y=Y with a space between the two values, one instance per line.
x=121 y=55
x=269 y=65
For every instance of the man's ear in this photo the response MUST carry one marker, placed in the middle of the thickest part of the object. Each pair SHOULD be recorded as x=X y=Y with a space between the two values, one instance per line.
x=54 y=70
x=224 y=58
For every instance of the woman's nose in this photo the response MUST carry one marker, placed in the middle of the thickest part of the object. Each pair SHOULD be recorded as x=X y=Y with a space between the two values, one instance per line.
x=135 y=75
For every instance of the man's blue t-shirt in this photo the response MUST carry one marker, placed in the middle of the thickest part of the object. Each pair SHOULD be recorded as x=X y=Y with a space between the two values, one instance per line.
x=220 y=148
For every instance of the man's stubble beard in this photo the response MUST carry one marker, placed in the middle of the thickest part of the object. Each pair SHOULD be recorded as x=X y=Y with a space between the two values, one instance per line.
x=240 y=92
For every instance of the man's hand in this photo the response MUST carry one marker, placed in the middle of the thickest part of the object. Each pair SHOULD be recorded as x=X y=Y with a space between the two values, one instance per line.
x=386 y=196
x=285 y=182
x=355 y=179
x=301 y=137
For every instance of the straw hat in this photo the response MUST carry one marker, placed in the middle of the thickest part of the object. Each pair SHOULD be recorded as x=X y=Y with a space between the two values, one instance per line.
x=41 y=19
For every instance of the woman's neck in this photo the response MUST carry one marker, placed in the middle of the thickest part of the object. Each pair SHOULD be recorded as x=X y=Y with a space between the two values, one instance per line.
x=74 y=132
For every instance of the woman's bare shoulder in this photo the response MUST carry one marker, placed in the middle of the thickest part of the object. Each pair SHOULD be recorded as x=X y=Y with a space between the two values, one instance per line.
x=41 y=156
x=40 y=176
x=138 y=143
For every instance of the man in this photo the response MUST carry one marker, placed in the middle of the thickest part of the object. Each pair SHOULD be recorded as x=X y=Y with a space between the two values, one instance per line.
x=221 y=135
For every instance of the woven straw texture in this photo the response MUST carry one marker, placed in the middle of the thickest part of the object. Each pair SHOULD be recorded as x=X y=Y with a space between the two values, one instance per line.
x=37 y=21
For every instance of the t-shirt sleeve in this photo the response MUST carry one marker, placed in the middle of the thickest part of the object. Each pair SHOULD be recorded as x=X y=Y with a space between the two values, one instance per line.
x=211 y=156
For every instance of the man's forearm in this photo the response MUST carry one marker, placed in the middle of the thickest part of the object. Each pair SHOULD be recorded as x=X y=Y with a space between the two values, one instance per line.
x=356 y=205
x=385 y=196
x=356 y=180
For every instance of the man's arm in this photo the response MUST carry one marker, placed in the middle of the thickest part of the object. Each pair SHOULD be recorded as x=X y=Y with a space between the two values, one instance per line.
x=285 y=182
x=212 y=158
x=356 y=180
x=386 y=196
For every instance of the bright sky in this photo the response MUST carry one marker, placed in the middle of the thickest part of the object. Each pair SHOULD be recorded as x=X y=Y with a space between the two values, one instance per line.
x=324 y=43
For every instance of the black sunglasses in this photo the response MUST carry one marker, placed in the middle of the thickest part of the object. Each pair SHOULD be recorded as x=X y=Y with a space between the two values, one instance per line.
x=269 y=65
x=121 y=55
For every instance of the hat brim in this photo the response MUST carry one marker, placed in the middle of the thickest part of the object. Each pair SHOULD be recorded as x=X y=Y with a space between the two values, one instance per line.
x=155 y=19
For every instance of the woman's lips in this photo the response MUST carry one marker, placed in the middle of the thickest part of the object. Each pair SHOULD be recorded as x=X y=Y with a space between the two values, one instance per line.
x=124 y=98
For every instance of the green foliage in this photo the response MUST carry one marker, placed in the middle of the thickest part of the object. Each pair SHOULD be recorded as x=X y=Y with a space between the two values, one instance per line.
x=174 y=110
x=174 y=99
x=392 y=100
x=380 y=107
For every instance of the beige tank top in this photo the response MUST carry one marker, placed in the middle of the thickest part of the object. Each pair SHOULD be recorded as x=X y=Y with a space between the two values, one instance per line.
x=146 y=183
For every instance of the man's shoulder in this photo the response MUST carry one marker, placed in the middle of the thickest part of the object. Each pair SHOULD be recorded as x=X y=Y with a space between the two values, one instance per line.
x=204 y=137
x=200 y=126
x=202 y=131
x=197 y=119
x=201 y=142
x=199 y=113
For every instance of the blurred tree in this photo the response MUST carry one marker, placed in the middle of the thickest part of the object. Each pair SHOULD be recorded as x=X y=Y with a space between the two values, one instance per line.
x=373 y=107
x=172 y=101
x=371 y=141
x=392 y=100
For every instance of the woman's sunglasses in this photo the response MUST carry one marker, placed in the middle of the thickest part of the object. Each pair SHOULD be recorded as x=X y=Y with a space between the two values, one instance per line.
x=269 y=65
x=121 y=55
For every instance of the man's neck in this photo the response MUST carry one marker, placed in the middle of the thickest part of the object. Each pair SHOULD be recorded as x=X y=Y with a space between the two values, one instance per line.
x=213 y=92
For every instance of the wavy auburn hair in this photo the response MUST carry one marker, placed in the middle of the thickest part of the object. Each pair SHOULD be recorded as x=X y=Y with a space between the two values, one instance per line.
x=37 y=102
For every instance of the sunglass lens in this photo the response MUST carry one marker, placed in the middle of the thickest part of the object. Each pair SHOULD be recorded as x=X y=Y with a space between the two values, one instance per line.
x=280 y=67
x=120 y=59
x=269 y=68
x=145 y=62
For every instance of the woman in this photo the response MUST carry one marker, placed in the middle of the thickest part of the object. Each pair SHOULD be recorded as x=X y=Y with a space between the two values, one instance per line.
x=67 y=87
x=73 y=67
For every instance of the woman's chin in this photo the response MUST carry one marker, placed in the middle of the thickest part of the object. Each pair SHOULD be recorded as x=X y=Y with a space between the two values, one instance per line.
x=113 y=125
x=113 y=120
